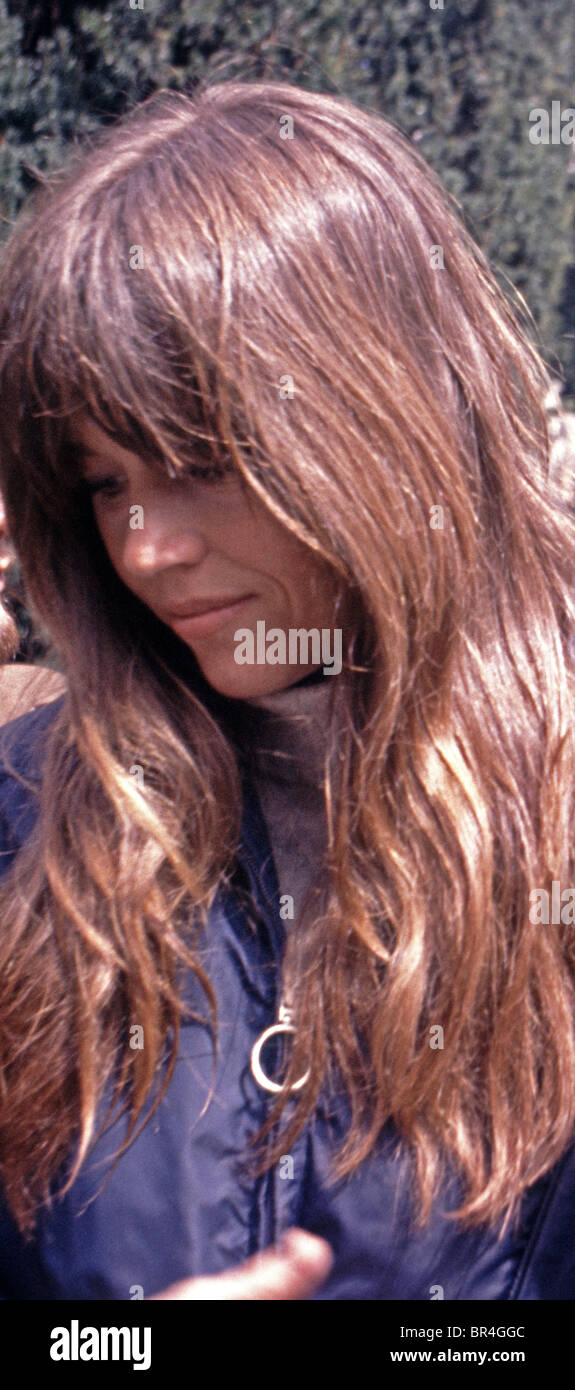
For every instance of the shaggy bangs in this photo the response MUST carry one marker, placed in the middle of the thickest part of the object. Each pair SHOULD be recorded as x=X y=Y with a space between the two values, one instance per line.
x=106 y=345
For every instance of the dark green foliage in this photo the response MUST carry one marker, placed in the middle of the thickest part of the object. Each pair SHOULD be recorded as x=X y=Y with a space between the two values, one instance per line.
x=460 y=79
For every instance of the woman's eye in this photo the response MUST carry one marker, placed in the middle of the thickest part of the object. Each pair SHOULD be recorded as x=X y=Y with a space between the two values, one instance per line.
x=104 y=487
x=109 y=488
x=211 y=473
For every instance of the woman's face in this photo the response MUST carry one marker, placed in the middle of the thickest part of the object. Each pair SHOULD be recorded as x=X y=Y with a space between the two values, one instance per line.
x=192 y=545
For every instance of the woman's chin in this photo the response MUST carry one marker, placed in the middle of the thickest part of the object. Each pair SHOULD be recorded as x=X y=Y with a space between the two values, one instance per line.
x=248 y=681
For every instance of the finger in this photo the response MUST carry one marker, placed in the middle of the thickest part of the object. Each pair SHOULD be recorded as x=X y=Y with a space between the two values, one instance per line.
x=292 y=1272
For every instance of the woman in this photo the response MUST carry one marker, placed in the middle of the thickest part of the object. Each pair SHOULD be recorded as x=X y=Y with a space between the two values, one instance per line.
x=258 y=382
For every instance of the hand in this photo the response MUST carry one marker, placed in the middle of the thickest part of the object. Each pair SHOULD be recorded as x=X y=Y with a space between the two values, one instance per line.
x=292 y=1271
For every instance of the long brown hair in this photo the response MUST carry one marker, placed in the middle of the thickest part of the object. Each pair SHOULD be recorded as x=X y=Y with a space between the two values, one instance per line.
x=206 y=250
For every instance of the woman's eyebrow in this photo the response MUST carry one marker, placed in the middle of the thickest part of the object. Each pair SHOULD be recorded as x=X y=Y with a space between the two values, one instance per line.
x=83 y=451
x=86 y=453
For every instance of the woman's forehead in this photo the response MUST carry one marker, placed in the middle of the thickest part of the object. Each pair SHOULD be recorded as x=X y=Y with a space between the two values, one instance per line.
x=88 y=439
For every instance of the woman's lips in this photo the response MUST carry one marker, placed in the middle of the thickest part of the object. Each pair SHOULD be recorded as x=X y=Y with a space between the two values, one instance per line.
x=203 y=624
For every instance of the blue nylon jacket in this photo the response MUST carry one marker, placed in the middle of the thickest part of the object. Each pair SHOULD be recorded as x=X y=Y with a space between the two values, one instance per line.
x=180 y=1203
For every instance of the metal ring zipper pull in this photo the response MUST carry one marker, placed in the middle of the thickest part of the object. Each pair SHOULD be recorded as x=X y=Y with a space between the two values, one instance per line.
x=284 y=1025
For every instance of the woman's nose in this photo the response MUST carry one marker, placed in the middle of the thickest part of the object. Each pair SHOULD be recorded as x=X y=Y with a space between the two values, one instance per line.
x=159 y=536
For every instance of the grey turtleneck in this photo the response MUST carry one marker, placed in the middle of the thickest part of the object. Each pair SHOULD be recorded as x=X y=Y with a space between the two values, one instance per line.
x=287 y=733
